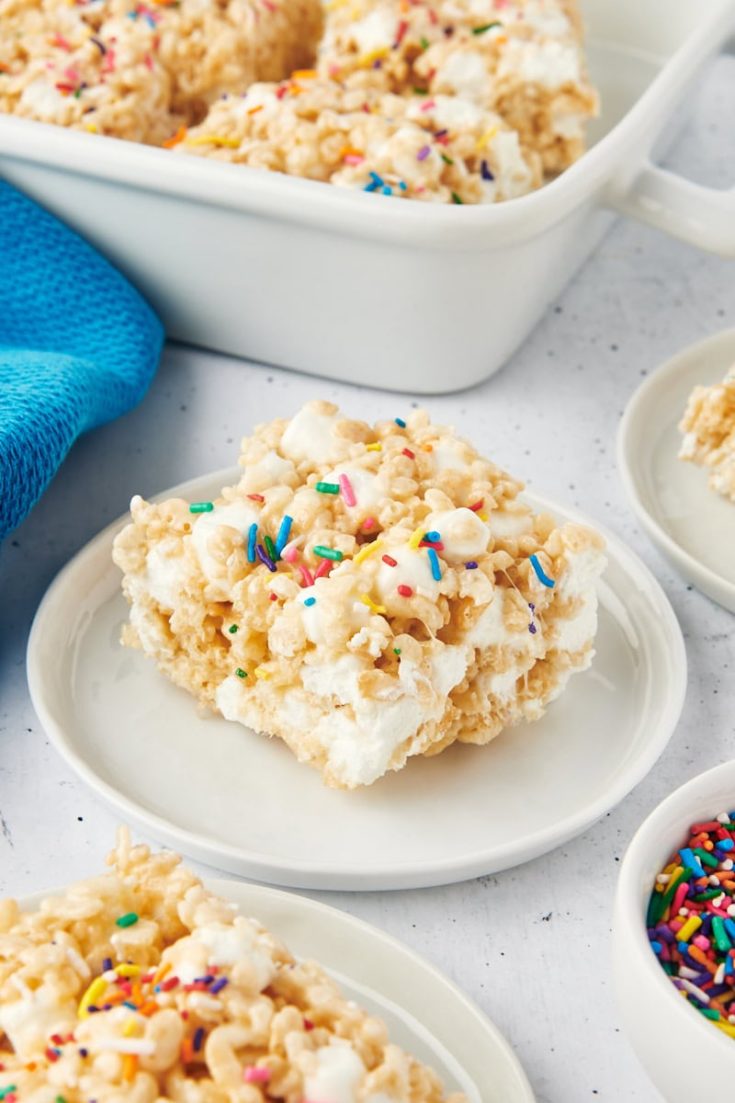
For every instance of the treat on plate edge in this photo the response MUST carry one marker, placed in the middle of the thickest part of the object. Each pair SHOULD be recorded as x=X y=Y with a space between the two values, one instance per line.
x=366 y=593
x=708 y=426
x=142 y=985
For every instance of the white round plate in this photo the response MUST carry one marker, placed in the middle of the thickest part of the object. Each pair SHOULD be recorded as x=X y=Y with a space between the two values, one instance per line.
x=241 y=802
x=693 y=526
x=425 y=1013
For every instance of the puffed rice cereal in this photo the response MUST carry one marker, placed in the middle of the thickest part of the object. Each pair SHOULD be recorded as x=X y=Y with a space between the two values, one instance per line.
x=140 y=70
x=366 y=593
x=140 y=986
x=522 y=59
x=440 y=149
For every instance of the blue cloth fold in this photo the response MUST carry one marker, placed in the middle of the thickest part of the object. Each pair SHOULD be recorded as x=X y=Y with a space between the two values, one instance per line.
x=78 y=347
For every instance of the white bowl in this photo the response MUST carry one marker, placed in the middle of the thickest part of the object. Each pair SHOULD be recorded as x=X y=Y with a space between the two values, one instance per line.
x=686 y=1057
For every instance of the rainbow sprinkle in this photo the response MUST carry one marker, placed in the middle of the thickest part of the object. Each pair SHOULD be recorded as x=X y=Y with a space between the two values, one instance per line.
x=265 y=558
x=347 y=492
x=327 y=488
x=255 y=1074
x=291 y=552
x=201 y=507
x=690 y=920
x=540 y=574
x=270 y=547
x=367 y=600
x=307 y=579
x=328 y=553
x=400 y=422
x=366 y=550
x=436 y=571
x=309 y=601
x=324 y=568
x=284 y=532
x=252 y=540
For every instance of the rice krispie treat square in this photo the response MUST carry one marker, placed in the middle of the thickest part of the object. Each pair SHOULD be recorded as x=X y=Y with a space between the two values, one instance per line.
x=522 y=59
x=708 y=426
x=440 y=149
x=139 y=70
x=211 y=47
x=141 y=985
x=366 y=593
x=77 y=69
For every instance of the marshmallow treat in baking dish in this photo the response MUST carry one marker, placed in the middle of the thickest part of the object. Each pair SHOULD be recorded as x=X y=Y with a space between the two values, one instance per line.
x=451 y=101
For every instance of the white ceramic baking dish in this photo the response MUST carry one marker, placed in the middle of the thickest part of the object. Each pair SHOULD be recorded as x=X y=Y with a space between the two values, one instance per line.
x=401 y=295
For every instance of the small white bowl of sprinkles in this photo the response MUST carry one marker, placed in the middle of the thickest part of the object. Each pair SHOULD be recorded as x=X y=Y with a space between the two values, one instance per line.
x=674 y=940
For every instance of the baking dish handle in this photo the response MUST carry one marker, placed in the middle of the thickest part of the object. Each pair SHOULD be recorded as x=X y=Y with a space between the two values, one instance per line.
x=700 y=216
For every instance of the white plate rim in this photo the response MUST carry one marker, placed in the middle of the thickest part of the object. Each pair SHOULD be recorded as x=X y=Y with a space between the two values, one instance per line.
x=703 y=577
x=300 y=873
x=401 y=956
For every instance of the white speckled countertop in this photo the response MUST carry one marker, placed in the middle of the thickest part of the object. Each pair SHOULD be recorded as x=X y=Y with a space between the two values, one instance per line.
x=530 y=945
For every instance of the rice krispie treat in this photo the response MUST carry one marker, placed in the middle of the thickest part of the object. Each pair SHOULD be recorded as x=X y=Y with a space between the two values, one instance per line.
x=106 y=78
x=215 y=46
x=523 y=59
x=708 y=426
x=441 y=149
x=366 y=593
x=137 y=70
x=141 y=985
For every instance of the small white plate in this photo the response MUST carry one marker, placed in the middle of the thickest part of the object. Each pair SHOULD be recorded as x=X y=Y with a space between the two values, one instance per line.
x=241 y=802
x=691 y=525
x=425 y=1013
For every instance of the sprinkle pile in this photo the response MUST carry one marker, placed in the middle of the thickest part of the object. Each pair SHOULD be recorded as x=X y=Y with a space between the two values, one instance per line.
x=691 y=920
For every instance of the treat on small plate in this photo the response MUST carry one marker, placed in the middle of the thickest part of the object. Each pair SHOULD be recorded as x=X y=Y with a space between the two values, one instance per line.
x=367 y=593
x=138 y=71
x=442 y=149
x=523 y=59
x=140 y=984
x=708 y=426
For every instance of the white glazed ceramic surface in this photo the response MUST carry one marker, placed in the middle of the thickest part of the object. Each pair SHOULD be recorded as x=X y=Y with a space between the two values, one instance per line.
x=425 y=1013
x=687 y=1058
x=242 y=802
x=401 y=295
x=693 y=526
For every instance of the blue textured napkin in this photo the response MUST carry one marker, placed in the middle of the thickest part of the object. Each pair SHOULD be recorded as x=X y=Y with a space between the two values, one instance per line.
x=78 y=347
